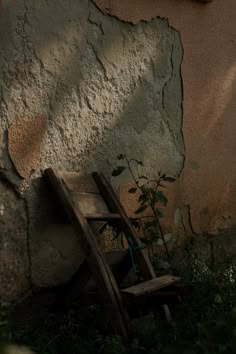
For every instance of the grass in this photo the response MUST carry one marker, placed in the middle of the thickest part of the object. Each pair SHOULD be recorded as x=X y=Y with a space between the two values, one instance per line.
x=205 y=323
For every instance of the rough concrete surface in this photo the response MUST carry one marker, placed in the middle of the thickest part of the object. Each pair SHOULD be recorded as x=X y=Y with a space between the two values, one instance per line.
x=14 y=259
x=105 y=87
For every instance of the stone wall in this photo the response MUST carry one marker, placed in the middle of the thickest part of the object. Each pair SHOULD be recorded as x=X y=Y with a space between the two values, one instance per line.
x=77 y=88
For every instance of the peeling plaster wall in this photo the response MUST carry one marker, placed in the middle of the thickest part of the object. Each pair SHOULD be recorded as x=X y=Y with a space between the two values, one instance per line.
x=208 y=32
x=104 y=87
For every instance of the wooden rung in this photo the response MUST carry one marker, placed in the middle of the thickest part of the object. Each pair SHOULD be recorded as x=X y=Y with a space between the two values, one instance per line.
x=77 y=182
x=151 y=286
x=102 y=216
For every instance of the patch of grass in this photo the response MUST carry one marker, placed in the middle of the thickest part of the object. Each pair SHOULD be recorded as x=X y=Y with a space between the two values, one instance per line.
x=205 y=323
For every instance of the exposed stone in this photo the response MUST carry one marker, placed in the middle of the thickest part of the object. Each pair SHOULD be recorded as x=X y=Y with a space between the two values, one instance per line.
x=25 y=138
x=14 y=261
x=55 y=255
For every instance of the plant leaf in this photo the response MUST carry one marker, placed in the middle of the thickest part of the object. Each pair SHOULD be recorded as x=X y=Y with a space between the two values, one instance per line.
x=118 y=170
x=132 y=190
x=162 y=198
x=142 y=198
x=169 y=179
x=160 y=213
x=141 y=209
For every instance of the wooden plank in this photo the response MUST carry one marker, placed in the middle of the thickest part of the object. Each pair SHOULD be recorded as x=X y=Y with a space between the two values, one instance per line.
x=97 y=262
x=151 y=286
x=115 y=206
x=90 y=203
x=101 y=217
x=77 y=182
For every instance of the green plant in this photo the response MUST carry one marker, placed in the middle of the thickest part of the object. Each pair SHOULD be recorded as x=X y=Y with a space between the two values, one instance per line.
x=205 y=322
x=151 y=199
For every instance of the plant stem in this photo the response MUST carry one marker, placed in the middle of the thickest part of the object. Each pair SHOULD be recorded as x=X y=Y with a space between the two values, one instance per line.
x=151 y=206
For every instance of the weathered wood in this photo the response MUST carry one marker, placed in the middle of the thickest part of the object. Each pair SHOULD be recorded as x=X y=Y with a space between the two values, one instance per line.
x=151 y=286
x=115 y=206
x=77 y=182
x=96 y=260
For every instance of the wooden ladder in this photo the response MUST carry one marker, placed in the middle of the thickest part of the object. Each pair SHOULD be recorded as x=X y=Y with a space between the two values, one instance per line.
x=91 y=198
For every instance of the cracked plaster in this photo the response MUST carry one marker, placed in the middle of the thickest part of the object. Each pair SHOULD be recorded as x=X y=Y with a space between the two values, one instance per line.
x=208 y=31
x=105 y=87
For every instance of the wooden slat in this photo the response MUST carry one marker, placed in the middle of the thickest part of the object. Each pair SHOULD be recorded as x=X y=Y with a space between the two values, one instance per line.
x=77 y=182
x=115 y=206
x=90 y=203
x=97 y=262
x=151 y=286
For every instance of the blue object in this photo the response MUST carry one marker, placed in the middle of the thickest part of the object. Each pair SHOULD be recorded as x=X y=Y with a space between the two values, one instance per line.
x=132 y=248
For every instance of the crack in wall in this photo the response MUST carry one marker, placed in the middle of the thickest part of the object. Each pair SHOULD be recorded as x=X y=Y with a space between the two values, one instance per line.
x=98 y=25
x=5 y=178
x=170 y=77
x=177 y=136
x=27 y=210
x=3 y=99
x=24 y=36
x=98 y=59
